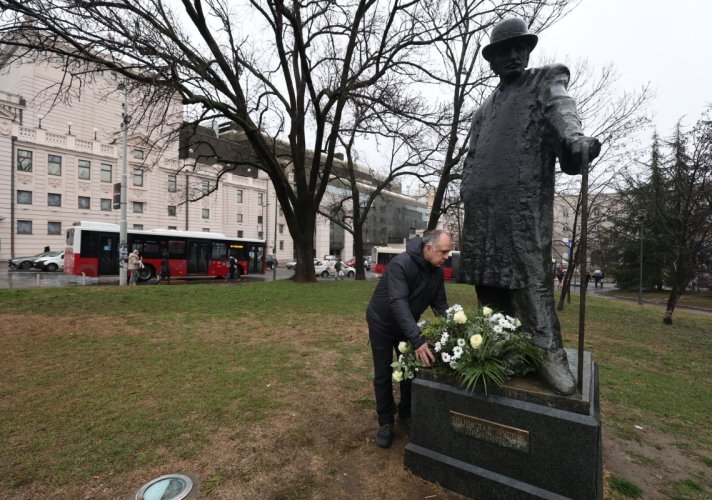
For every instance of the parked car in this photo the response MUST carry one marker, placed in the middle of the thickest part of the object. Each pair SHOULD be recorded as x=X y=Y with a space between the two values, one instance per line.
x=292 y=264
x=28 y=262
x=272 y=262
x=327 y=269
x=50 y=262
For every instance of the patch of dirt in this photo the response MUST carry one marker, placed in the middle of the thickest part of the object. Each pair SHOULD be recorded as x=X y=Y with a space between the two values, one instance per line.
x=651 y=461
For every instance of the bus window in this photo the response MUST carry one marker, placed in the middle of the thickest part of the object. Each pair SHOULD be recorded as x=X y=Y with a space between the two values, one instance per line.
x=70 y=237
x=219 y=251
x=90 y=244
x=151 y=249
x=176 y=249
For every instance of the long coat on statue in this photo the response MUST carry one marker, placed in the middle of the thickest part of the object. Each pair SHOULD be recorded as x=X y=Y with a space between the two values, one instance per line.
x=508 y=179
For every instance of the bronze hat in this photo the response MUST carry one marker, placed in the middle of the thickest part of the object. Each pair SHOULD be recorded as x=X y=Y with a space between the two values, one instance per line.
x=507 y=30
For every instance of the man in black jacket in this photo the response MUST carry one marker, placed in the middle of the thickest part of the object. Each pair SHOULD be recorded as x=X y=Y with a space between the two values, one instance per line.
x=413 y=281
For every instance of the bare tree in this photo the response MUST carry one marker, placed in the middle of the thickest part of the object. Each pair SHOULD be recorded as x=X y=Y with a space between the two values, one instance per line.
x=281 y=71
x=615 y=120
x=425 y=141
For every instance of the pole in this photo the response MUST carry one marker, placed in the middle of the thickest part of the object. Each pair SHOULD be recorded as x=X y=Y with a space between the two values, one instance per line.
x=640 y=282
x=582 y=267
x=274 y=248
x=123 y=226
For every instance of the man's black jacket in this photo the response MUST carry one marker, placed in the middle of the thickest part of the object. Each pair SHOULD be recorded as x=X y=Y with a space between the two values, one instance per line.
x=409 y=285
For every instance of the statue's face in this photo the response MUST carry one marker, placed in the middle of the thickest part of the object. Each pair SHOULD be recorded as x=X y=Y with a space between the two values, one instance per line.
x=510 y=59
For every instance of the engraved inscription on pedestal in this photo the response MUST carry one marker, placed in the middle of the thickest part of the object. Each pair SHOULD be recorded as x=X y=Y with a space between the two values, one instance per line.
x=492 y=432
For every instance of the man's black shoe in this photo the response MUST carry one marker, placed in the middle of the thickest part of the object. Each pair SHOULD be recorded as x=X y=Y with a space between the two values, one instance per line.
x=384 y=436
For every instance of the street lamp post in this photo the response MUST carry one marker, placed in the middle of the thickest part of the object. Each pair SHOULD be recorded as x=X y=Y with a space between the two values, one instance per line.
x=123 y=225
x=640 y=237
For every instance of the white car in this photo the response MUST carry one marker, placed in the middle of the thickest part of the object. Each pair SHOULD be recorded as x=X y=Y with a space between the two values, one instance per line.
x=328 y=268
x=51 y=263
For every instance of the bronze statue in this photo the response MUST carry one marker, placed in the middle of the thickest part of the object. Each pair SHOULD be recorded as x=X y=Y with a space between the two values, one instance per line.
x=508 y=189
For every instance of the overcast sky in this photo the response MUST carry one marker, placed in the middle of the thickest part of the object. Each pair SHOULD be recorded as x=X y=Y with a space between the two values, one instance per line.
x=663 y=42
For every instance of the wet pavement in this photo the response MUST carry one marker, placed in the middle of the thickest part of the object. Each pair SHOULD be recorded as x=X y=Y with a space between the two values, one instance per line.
x=11 y=278
x=33 y=278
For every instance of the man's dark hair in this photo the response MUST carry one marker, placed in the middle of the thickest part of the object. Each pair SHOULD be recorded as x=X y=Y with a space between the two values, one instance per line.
x=432 y=237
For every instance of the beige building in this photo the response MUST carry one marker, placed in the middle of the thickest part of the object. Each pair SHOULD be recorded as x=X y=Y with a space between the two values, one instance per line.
x=60 y=161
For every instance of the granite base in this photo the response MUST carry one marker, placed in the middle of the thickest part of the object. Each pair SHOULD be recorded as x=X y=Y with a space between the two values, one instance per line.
x=518 y=443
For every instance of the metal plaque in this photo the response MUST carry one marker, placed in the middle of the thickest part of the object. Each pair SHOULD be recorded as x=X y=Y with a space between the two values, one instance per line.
x=492 y=432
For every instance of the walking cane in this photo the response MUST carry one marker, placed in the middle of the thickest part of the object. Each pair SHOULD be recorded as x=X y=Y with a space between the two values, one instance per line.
x=582 y=267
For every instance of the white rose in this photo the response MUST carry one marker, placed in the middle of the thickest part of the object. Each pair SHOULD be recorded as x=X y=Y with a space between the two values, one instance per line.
x=397 y=376
x=460 y=317
x=403 y=347
x=517 y=323
x=476 y=341
x=487 y=312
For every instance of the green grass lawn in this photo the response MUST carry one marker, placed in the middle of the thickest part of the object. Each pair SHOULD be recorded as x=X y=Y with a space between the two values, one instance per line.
x=701 y=299
x=263 y=390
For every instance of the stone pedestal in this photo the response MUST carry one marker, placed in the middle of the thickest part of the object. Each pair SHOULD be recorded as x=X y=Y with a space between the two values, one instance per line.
x=520 y=441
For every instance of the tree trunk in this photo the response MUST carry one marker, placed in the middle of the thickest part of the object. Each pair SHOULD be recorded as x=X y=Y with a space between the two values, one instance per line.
x=566 y=286
x=673 y=298
x=358 y=250
x=304 y=247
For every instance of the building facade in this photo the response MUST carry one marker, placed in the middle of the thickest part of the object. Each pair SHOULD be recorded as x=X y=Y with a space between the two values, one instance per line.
x=61 y=159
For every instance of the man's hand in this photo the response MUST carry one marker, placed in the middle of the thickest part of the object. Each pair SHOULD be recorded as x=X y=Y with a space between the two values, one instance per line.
x=424 y=354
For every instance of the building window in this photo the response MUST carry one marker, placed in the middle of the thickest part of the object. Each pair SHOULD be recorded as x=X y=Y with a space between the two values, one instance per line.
x=565 y=213
x=173 y=227
x=24 y=197
x=240 y=234
x=171 y=210
x=138 y=154
x=172 y=184
x=24 y=163
x=106 y=172
x=281 y=229
x=259 y=219
x=281 y=244
x=24 y=227
x=54 y=227
x=138 y=226
x=206 y=187
x=84 y=169
x=239 y=195
x=206 y=213
x=54 y=200
x=84 y=202
x=260 y=199
x=105 y=204
x=138 y=207
x=206 y=229
x=259 y=235
x=54 y=165
x=239 y=217
x=137 y=177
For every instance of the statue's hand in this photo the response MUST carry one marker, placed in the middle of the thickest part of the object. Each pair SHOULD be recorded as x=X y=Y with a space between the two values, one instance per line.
x=573 y=156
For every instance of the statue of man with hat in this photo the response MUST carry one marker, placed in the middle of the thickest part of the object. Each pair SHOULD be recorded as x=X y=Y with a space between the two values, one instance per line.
x=517 y=134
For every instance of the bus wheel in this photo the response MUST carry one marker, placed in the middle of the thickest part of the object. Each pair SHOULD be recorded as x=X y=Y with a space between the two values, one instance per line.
x=146 y=272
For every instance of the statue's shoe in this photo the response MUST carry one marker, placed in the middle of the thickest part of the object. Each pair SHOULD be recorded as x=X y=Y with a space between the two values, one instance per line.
x=556 y=374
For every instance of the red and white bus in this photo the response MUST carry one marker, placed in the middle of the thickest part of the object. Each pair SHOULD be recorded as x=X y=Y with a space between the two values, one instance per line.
x=381 y=256
x=92 y=249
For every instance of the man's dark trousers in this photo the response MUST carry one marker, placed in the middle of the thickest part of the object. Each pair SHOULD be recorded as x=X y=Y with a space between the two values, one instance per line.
x=383 y=347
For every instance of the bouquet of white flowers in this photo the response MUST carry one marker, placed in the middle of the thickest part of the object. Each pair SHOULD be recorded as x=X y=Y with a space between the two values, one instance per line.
x=488 y=348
